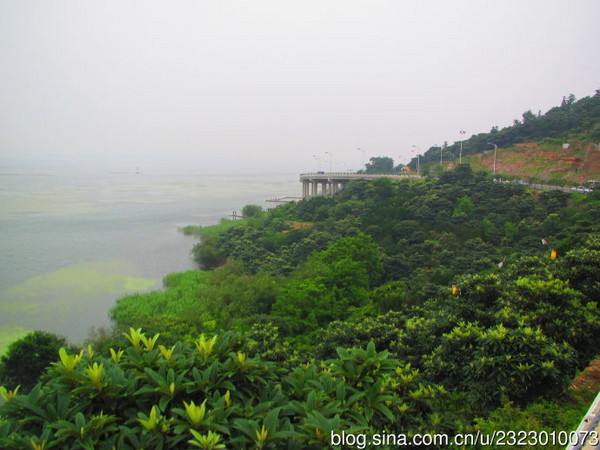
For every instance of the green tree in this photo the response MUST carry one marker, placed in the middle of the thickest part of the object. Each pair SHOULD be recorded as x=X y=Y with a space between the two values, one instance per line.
x=252 y=211
x=361 y=249
x=27 y=358
x=331 y=284
x=581 y=266
x=558 y=310
x=528 y=116
x=464 y=207
x=392 y=296
x=380 y=164
x=233 y=296
x=497 y=365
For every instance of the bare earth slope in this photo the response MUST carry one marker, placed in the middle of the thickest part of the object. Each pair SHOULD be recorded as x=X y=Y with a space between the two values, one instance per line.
x=554 y=163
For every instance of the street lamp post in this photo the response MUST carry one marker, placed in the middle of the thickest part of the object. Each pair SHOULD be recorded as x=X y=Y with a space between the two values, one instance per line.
x=330 y=161
x=462 y=137
x=418 y=159
x=495 y=150
x=318 y=162
x=362 y=161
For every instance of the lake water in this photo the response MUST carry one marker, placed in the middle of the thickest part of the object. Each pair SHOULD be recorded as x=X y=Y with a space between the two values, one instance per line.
x=74 y=239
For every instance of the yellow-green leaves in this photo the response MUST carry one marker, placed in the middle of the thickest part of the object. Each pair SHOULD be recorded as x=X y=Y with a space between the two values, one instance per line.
x=37 y=445
x=9 y=395
x=261 y=436
x=407 y=374
x=209 y=441
x=116 y=355
x=151 y=421
x=195 y=413
x=136 y=336
x=166 y=353
x=499 y=333
x=149 y=343
x=69 y=361
x=403 y=408
x=548 y=365
x=227 y=398
x=94 y=373
x=205 y=346
x=241 y=357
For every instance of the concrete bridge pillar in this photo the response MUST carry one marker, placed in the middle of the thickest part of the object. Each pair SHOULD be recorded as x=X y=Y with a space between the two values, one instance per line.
x=314 y=188
x=322 y=184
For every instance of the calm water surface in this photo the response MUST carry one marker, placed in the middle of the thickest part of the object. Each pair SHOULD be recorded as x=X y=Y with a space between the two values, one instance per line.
x=74 y=240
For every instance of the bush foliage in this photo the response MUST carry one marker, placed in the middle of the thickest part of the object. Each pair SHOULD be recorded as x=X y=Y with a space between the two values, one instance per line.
x=212 y=394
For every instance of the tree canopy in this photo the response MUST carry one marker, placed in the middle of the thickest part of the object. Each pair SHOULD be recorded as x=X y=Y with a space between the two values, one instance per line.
x=380 y=164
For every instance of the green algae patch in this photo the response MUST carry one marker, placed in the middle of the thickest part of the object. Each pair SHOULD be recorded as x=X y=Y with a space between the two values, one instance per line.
x=54 y=204
x=9 y=334
x=138 y=284
x=69 y=290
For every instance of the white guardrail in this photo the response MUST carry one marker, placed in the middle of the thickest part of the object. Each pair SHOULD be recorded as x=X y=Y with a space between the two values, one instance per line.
x=588 y=424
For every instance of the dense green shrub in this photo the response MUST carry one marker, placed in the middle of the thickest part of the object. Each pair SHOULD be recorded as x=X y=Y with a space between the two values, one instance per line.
x=252 y=211
x=210 y=394
x=497 y=365
x=27 y=358
x=176 y=305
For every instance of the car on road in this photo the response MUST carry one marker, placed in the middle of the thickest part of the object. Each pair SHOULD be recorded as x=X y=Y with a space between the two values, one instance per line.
x=582 y=189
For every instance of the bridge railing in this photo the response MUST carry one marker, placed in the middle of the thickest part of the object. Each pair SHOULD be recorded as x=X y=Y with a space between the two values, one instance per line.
x=354 y=174
x=348 y=173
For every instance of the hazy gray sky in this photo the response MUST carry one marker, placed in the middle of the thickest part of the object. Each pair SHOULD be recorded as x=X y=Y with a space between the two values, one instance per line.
x=244 y=84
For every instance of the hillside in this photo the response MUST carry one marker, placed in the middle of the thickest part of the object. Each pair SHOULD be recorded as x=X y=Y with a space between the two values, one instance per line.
x=532 y=147
x=545 y=161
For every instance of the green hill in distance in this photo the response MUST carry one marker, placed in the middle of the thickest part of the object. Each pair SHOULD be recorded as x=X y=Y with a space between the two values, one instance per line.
x=560 y=147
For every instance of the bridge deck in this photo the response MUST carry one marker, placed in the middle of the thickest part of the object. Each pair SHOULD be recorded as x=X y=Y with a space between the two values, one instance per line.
x=350 y=176
x=329 y=183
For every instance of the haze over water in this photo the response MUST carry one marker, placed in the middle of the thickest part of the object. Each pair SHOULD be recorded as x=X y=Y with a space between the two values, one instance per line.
x=77 y=235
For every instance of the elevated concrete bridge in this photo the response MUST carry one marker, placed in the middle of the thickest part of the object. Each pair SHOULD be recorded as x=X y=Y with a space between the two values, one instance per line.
x=329 y=183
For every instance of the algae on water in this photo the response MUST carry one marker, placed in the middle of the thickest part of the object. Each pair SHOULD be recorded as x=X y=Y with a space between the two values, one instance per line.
x=46 y=299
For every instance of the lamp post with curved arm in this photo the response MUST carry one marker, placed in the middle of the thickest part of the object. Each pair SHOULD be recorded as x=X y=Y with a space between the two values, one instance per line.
x=462 y=137
x=362 y=161
x=330 y=161
x=495 y=150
